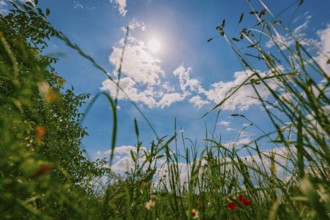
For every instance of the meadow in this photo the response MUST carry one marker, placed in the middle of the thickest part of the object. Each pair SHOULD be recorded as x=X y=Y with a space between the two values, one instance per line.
x=45 y=173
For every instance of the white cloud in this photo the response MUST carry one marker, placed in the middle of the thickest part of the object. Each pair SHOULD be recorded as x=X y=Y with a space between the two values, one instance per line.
x=224 y=123
x=242 y=141
x=142 y=74
x=198 y=102
x=143 y=80
x=148 y=96
x=77 y=5
x=134 y=24
x=282 y=157
x=137 y=63
x=238 y=143
x=246 y=133
x=242 y=99
x=3 y=7
x=323 y=44
x=186 y=83
x=121 y=4
x=323 y=57
x=285 y=41
x=170 y=98
x=131 y=89
x=123 y=160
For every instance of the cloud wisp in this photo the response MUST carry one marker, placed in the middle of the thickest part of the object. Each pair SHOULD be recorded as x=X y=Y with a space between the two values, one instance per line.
x=121 y=5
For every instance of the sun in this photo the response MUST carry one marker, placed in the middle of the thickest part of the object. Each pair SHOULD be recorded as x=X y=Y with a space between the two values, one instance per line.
x=154 y=45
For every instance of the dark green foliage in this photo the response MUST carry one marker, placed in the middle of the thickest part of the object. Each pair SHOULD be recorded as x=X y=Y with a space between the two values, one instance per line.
x=44 y=173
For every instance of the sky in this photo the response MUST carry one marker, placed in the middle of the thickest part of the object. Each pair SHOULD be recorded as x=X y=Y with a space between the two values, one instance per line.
x=169 y=69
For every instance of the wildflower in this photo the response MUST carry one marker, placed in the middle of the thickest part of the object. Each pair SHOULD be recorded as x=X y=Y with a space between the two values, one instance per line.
x=231 y=205
x=245 y=202
x=194 y=214
x=150 y=204
x=42 y=170
x=51 y=96
x=40 y=132
x=46 y=92
x=240 y=197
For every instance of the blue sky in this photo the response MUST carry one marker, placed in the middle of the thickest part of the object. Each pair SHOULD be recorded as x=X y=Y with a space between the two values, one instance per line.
x=184 y=79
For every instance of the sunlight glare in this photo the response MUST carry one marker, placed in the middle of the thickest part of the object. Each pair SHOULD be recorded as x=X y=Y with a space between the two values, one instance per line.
x=154 y=45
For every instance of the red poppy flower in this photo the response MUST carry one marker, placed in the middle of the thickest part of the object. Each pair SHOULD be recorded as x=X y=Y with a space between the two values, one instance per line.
x=231 y=205
x=245 y=202
x=240 y=197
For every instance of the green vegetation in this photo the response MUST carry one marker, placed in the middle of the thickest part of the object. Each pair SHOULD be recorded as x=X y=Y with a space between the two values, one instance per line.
x=41 y=158
x=45 y=175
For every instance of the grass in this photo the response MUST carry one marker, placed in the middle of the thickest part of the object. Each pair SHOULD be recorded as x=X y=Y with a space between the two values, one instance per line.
x=288 y=181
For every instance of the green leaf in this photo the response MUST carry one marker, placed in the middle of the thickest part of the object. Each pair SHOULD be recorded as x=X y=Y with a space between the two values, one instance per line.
x=30 y=4
x=40 y=12
x=136 y=128
x=252 y=45
x=241 y=18
x=223 y=23
x=47 y=11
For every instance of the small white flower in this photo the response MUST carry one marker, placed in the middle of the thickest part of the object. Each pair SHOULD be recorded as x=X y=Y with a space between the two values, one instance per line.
x=194 y=214
x=150 y=204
